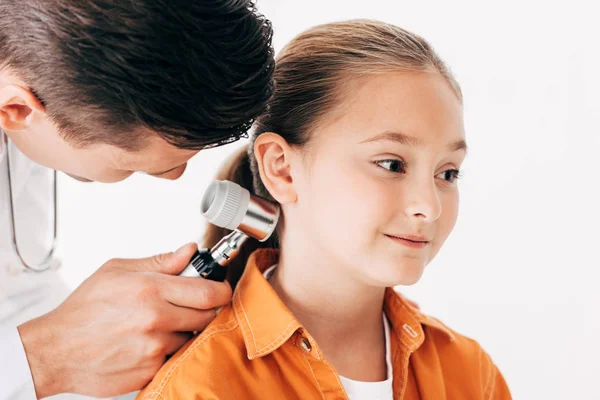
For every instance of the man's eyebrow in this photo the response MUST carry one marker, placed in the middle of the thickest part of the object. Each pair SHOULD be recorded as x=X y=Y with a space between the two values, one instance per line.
x=163 y=172
x=403 y=138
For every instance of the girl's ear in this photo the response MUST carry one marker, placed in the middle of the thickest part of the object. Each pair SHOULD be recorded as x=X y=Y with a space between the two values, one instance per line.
x=273 y=155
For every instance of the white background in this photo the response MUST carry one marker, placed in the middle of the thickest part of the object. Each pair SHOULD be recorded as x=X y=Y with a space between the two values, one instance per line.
x=520 y=272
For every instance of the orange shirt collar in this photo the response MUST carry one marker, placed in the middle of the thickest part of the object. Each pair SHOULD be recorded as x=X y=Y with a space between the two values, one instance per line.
x=266 y=323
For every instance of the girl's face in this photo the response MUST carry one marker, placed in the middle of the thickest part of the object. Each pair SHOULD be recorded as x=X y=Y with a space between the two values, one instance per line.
x=377 y=190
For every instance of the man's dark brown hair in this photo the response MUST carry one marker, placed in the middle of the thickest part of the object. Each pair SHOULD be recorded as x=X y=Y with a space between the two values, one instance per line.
x=197 y=72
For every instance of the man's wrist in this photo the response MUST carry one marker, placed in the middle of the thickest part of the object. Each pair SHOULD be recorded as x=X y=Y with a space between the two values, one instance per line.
x=41 y=345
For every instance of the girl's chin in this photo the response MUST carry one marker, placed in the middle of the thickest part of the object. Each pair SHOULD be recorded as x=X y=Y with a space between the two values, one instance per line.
x=392 y=275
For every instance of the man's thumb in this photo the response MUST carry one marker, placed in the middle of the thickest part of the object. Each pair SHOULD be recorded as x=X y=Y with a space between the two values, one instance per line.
x=170 y=263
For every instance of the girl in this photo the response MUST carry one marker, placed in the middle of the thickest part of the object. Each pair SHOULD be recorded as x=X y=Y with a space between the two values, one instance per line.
x=361 y=146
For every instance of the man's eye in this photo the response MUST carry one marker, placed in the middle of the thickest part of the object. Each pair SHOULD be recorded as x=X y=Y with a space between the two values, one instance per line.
x=392 y=165
x=450 y=175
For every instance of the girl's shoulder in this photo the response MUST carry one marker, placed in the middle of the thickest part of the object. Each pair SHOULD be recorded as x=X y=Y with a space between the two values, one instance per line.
x=453 y=358
x=192 y=370
x=464 y=366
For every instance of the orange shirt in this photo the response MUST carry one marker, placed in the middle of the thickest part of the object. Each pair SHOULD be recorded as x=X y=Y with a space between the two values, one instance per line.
x=256 y=349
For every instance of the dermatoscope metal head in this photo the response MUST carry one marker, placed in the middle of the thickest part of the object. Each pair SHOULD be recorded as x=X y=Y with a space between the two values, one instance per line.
x=228 y=205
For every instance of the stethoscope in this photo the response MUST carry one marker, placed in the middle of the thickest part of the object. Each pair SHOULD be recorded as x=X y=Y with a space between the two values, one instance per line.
x=46 y=263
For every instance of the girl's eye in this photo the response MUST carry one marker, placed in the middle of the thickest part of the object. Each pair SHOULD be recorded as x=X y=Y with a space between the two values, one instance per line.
x=450 y=175
x=392 y=165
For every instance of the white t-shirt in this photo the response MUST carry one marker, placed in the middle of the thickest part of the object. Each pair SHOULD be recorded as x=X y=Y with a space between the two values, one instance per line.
x=358 y=390
x=373 y=390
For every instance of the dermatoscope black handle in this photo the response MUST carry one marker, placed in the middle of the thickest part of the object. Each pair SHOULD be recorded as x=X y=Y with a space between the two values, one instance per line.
x=207 y=267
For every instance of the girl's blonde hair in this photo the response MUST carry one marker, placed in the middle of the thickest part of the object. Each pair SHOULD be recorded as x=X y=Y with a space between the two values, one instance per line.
x=312 y=75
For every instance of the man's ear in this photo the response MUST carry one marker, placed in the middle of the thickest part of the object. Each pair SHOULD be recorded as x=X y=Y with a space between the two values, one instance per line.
x=273 y=155
x=18 y=105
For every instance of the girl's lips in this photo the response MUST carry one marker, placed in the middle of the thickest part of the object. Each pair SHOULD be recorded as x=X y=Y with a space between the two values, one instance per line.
x=414 y=242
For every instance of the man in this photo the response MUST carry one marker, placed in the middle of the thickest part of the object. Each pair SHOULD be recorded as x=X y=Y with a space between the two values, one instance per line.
x=101 y=89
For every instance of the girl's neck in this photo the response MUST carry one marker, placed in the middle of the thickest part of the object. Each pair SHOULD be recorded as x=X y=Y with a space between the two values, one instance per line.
x=343 y=314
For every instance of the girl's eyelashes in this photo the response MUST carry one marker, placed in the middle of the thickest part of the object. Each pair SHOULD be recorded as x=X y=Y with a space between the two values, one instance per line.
x=392 y=165
x=398 y=166
x=450 y=175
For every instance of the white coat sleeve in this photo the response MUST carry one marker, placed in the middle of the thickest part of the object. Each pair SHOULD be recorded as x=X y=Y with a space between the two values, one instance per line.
x=16 y=382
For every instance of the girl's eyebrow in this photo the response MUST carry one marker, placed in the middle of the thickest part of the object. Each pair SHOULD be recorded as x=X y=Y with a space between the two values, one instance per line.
x=403 y=138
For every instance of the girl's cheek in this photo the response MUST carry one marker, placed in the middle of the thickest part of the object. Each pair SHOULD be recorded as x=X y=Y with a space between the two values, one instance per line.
x=449 y=216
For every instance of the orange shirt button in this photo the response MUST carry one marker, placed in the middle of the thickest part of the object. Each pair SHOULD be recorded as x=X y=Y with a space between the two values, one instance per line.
x=305 y=344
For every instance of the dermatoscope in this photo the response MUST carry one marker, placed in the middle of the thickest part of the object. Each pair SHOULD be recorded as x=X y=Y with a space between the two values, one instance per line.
x=228 y=205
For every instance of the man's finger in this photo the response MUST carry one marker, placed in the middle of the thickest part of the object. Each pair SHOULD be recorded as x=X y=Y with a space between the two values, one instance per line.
x=198 y=293
x=168 y=263
x=183 y=319
x=174 y=341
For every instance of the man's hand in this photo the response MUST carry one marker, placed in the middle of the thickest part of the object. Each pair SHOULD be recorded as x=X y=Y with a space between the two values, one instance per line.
x=114 y=332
